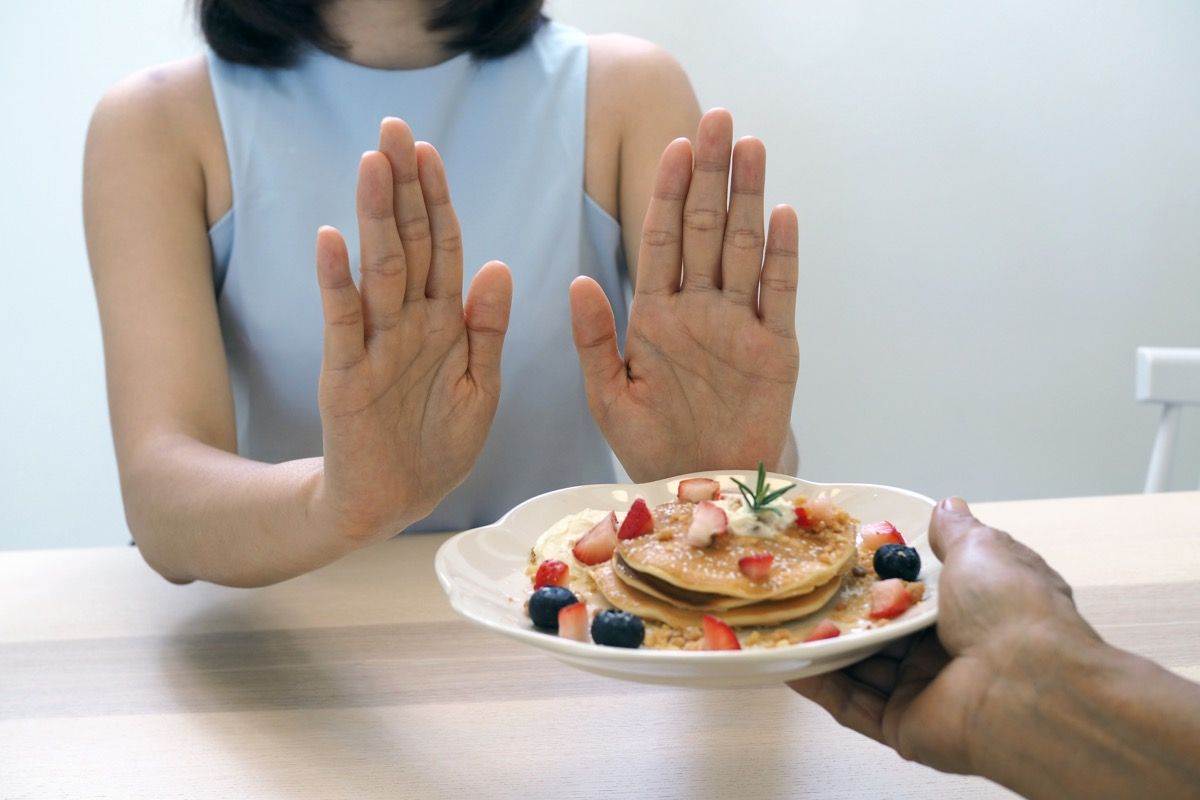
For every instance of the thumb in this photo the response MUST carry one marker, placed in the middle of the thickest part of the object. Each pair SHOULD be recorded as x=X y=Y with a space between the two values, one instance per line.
x=485 y=313
x=595 y=332
x=952 y=522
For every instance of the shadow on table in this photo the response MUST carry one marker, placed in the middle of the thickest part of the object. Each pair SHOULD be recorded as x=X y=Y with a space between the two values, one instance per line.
x=384 y=711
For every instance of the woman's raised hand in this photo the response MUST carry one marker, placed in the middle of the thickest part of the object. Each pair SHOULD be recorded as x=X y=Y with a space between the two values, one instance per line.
x=711 y=357
x=410 y=378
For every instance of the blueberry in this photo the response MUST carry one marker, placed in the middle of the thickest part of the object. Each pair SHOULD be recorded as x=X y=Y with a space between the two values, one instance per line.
x=618 y=629
x=897 y=561
x=545 y=604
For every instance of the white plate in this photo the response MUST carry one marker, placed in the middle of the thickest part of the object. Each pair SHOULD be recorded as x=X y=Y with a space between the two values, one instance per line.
x=483 y=573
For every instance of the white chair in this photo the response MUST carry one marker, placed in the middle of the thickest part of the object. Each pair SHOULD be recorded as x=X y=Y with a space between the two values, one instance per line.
x=1171 y=376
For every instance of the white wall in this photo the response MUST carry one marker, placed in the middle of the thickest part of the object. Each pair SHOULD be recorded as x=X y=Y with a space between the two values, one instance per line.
x=999 y=202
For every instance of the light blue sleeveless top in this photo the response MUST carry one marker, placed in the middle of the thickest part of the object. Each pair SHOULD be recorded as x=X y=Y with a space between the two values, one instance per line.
x=511 y=133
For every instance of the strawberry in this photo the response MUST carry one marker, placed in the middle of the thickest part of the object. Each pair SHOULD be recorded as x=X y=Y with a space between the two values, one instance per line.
x=876 y=534
x=802 y=517
x=696 y=489
x=597 y=545
x=573 y=622
x=825 y=630
x=889 y=599
x=551 y=572
x=718 y=635
x=756 y=567
x=637 y=522
x=708 y=520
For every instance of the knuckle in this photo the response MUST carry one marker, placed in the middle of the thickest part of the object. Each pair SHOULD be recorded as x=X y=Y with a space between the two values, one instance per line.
x=710 y=165
x=377 y=213
x=449 y=242
x=699 y=280
x=660 y=237
x=782 y=251
x=703 y=219
x=778 y=284
x=437 y=200
x=345 y=319
x=408 y=177
x=414 y=229
x=385 y=265
x=745 y=239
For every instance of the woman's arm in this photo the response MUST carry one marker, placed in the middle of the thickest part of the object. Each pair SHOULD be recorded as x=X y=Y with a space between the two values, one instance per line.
x=197 y=509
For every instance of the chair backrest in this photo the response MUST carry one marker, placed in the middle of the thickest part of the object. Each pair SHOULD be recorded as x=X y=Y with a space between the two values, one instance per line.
x=1170 y=376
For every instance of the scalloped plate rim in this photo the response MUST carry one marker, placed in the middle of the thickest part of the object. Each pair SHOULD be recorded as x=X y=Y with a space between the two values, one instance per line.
x=807 y=655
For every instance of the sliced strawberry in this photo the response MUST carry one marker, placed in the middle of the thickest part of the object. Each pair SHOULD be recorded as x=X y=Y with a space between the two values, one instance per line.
x=825 y=630
x=551 y=572
x=696 y=489
x=889 y=599
x=708 y=520
x=876 y=534
x=597 y=545
x=637 y=522
x=756 y=567
x=573 y=622
x=718 y=635
x=802 y=517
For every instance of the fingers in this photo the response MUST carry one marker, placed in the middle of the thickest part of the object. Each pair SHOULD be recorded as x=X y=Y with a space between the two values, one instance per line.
x=412 y=221
x=382 y=255
x=777 y=296
x=594 y=331
x=742 y=253
x=340 y=302
x=445 y=277
x=660 y=255
x=951 y=523
x=486 y=314
x=852 y=704
x=704 y=209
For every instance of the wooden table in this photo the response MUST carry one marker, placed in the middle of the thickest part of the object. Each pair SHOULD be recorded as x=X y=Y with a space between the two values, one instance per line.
x=359 y=682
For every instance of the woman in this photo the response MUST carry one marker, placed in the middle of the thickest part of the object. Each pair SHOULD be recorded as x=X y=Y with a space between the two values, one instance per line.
x=266 y=422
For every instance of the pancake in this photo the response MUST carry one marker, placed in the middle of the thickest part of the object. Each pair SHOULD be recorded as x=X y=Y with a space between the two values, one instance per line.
x=770 y=612
x=804 y=559
x=698 y=601
x=657 y=587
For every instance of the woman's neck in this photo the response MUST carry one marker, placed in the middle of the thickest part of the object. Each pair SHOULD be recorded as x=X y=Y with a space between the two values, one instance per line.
x=386 y=34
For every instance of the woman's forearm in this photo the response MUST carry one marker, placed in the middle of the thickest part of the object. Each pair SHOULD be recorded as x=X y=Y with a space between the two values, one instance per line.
x=200 y=513
x=1088 y=720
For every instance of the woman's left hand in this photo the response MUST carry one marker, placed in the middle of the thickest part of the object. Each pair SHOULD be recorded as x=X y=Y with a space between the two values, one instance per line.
x=711 y=356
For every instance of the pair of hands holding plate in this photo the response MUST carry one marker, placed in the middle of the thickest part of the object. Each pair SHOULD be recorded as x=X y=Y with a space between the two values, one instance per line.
x=410 y=379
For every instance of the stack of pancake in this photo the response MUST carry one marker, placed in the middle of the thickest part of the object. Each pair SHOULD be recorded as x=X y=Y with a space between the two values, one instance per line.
x=661 y=576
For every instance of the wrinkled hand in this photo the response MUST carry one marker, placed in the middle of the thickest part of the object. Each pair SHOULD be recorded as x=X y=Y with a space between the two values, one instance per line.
x=927 y=697
x=711 y=357
x=410 y=377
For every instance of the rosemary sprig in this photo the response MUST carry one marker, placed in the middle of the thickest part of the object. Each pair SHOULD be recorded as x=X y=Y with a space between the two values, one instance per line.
x=761 y=498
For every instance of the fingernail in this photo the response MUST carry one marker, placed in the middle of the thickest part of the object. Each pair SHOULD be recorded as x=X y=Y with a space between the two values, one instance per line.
x=955 y=504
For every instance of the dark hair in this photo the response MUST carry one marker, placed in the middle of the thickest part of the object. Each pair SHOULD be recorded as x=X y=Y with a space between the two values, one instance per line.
x=270 y=33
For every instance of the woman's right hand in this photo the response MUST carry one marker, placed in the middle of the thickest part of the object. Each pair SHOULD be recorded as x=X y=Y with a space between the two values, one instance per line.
x=410 y=377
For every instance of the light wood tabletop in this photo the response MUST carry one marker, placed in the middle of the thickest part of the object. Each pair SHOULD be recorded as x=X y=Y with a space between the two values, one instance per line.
x=358 y=681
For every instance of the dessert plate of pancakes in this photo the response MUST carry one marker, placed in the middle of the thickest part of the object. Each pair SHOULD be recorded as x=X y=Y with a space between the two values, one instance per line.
x=486 y=573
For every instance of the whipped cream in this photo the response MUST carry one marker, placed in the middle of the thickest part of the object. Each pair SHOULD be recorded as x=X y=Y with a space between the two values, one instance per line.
x=558 y=540
x=767 y=523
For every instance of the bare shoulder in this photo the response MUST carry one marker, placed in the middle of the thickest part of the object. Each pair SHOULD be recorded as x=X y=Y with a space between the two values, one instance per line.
x=638 y=95
x=165 y=117
x=625 y=70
